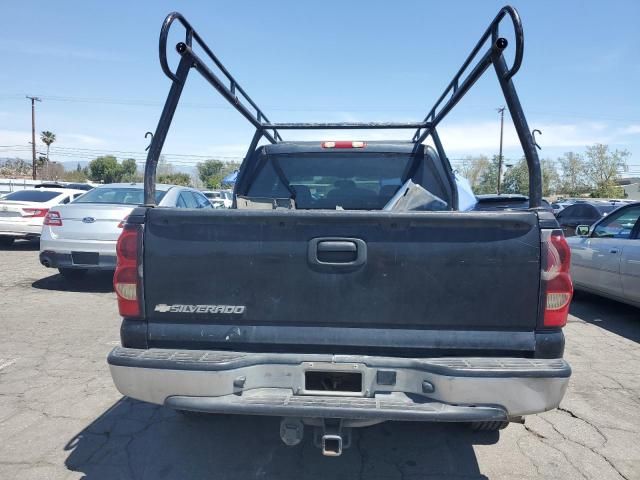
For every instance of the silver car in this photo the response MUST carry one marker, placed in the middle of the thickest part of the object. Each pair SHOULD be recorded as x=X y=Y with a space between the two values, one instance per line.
x=82 y=235
x=605 y=258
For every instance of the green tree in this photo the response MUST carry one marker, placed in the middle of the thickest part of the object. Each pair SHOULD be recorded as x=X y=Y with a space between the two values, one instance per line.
x=105 y=169
x=603 y=169
x=47 y=138
x=211 y=173
x=177 y=178
x=516 y=178
x=550 y=177
x=488 y=178
x=574 y=181
x=129 y=171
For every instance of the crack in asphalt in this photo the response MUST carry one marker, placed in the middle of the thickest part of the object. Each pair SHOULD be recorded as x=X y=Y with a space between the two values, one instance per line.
x=524 y=453
x=572 y=414
x=602 y=435
x=547 y=441
x=532 y=431
x=533 y=459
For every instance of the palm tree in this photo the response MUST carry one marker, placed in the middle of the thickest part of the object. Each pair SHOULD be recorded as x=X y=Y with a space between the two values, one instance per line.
x=47 y=138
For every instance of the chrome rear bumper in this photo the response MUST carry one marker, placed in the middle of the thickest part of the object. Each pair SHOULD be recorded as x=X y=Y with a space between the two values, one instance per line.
x=425 y=389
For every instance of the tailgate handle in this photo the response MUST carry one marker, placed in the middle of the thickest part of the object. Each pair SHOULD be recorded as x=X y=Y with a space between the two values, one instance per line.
x=337 y=246
x=339 y=252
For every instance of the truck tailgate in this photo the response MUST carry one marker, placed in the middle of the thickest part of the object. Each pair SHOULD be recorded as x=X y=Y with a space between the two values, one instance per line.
x=211 y=277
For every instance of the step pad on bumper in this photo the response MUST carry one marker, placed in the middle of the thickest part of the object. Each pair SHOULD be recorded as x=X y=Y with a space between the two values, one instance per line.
x=393 y=407
x=224 y=360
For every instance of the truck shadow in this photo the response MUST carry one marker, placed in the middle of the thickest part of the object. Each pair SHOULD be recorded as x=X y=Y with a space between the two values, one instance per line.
x=618 y=318
x=135 y=440
x=94 y=282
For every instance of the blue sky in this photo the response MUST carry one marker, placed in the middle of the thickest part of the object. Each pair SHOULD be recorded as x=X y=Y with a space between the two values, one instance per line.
x=95 y=65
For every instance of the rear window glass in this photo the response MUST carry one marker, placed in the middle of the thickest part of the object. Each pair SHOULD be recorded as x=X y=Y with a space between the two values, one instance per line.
x=328 y=181
x=32 y=196
x=606 y=208
x=619 y=224
x=123 y=196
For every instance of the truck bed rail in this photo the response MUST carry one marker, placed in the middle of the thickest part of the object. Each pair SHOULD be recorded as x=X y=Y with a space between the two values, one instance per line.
x=231 y=90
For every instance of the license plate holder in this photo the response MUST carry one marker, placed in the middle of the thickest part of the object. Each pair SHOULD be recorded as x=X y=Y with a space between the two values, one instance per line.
x=85 y=258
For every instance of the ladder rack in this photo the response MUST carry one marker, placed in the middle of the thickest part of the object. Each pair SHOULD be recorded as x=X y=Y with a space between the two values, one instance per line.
x=231 y=90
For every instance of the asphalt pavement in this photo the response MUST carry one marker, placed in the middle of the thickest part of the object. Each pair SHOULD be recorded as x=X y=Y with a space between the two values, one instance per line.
x=62 y=418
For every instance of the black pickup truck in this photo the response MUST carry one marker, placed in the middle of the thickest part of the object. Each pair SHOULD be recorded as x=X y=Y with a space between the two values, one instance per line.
x=317 y=299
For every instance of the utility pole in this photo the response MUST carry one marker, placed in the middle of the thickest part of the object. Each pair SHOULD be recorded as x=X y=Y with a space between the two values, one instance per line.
x=33 y=133
x=501 y=110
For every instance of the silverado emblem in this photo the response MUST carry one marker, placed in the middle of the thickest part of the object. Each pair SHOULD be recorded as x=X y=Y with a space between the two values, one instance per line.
x=88 y=220
x=177 y=308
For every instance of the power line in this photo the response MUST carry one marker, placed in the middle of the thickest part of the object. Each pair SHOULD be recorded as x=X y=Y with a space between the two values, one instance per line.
x=299 y=108
x=87 y=154
x=139 y=157
x=92 y=151
x=155 y=103
x=123 y=152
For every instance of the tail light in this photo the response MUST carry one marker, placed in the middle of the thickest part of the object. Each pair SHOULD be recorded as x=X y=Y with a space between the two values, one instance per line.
x=53 y=219
x=556 y=280
x=343 y=144
x=34 y=212
x=126 y=280
x=122 y=222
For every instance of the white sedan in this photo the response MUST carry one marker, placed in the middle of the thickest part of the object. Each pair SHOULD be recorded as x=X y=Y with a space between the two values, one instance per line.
x=605 y=258
x=22 y=212
x=82 y=235
x=219 y=198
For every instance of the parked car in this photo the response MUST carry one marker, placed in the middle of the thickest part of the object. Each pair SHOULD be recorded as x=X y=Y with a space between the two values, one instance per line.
x=557 y=207
x=346 y=288
x=22 y=212
x=505 y=201
x=605 y=259
x=82 y=235
x=219 y=198
x=582 y=213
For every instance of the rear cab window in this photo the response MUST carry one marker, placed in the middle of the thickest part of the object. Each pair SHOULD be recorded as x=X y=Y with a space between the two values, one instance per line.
x=365 y=181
